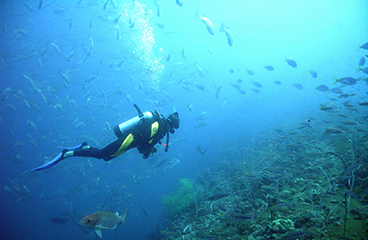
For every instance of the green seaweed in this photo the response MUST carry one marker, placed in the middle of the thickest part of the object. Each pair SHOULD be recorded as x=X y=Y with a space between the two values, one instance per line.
x=184 y=197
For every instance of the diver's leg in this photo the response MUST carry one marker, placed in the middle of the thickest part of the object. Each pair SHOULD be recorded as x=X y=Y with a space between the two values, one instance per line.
x=67 y=152
x=86 y=151
x=118 y=147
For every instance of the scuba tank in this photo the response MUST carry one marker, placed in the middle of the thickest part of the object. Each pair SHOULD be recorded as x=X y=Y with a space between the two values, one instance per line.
x=132 y=123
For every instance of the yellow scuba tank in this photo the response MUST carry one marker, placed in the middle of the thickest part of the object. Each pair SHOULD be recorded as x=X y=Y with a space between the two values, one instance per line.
x=129 y=125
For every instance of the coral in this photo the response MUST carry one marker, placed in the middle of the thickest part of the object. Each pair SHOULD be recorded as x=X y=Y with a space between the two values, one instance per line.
x=282 y=225
x=184 y=197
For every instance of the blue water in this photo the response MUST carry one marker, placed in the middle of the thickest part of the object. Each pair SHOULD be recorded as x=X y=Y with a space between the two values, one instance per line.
x=89 y=65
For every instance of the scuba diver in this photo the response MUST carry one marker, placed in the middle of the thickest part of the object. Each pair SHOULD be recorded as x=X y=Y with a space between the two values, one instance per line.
x=142 y=132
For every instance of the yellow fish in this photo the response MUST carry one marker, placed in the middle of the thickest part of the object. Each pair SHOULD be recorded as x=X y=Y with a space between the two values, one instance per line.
x=103 y=220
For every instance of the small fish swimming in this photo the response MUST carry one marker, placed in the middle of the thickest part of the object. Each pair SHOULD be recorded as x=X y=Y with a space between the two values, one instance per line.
x=313 y=74
x=167 y=163
x=183 y=53
x=269 y=68
x=228 y=33
x=218 y=92
x=103 y=220
x=346 y=80
x=59 y=220
x=207 y=22
x=256 y=90
x=364 y=46
x=257 y=84
x=332 y=130
x=361 y=61
x=158 y=9
x=363 y=103
x=291 y=63
x=365 y=70
x=201 y=124
x=243 y=217
x=277 y=82
x=335 y=90
x=199 y=70
x=201 y=150
x=250 y=72
x=200 y=87
x=322 y=88
x=179 y=3
x=298 y=86
x=160 y=25
x=235 y=85
x=217 y=196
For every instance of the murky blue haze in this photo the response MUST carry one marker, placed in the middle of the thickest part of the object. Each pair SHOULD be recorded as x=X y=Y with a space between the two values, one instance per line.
x=71 y=70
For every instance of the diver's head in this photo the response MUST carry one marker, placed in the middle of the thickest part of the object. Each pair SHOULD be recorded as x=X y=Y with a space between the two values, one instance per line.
x=173 y=121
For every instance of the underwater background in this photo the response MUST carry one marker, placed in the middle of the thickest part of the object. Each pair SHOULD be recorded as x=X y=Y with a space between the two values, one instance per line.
x=272 y=97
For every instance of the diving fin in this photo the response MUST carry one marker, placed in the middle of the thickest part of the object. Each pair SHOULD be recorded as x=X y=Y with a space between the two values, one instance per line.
x=53 y=162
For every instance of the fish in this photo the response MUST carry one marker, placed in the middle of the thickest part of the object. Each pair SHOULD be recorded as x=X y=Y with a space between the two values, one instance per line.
x=160 y=25
x=350 y=169
x=332 y=130
x=190 y=107
x=241 y=216
x=158 y=9
x=313 y=74
x=103 y=220
x=201 y=150
x=145 y=212
x=277 y=82
x=335 y=90
x=346 y=80
x=200 y=87
x=364 y=46
x=235 y=85
x=256 y=90
x=352 y=194
x=207 y=22
x=228 y=33
x=218 y=196
x=105 y=5
x=23 y=197
x=291 y=63
x=218 y=91
x=167 y=163
x=269 y=68
x=201 y=124
x=239 y=81
x=183 y=53
x=361 y=61
x=322 y=88
x=284 y=211
x=257 y=84
x=250 y=72
x=349 y=123
x=59 y=220
x=171 y=234
x=200 y=70
x=168 y=57
x=365 y=70
x=241 y=91
x=179 y=3
x=293 y=235
x=363 y=103
x=298 y=86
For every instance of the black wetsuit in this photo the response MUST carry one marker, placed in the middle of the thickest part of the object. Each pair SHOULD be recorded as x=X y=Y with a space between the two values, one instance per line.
x=141 y=138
